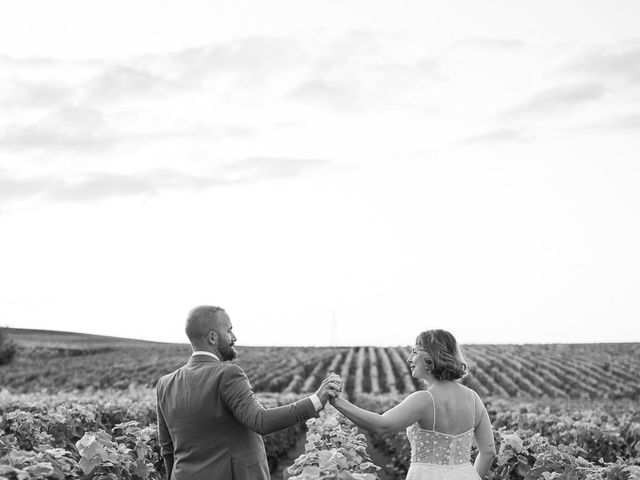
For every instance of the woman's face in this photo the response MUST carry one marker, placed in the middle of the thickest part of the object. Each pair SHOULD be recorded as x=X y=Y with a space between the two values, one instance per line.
x=416 y=362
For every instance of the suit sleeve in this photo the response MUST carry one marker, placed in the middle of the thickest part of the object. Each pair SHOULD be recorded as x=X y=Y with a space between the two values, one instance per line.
x=164 y=437
x=240 y=400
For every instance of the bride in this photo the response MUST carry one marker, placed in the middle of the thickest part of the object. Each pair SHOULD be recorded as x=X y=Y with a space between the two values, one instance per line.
x=442 y=421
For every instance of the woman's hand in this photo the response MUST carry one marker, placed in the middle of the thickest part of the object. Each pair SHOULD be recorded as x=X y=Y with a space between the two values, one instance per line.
x=336 y=399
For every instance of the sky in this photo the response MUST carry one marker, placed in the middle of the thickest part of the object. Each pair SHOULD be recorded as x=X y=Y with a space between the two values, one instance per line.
x=331 y=173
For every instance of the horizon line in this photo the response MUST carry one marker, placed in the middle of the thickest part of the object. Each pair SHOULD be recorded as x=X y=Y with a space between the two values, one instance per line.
x=40 y=330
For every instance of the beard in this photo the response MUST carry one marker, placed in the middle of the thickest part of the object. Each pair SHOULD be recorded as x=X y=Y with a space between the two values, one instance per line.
x=227 y=352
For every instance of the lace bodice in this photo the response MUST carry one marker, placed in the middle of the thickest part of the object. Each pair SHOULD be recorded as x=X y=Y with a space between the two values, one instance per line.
x=429 y=446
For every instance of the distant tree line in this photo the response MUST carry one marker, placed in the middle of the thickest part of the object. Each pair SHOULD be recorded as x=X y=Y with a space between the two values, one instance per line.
x=7 y=347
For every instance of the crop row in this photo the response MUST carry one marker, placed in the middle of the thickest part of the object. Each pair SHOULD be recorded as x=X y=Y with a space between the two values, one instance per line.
x=553 y=371
x=496 y=371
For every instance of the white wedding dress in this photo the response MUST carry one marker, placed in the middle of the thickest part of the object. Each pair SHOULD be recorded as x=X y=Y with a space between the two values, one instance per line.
x=440 y=456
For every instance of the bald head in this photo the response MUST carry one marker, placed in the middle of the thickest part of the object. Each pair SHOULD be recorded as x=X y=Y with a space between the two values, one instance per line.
x=200 y=322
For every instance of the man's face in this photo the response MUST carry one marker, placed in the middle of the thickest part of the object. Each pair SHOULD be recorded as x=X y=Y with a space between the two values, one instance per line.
x=226 y=338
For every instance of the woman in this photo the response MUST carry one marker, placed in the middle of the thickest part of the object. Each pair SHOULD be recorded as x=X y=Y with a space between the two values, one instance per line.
x=442 y=421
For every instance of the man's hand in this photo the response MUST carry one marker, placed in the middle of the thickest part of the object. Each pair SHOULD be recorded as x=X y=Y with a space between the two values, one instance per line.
x=330 y=388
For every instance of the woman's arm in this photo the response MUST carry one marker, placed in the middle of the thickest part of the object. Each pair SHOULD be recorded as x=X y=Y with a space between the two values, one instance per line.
x=409 y=411
x=484 y=440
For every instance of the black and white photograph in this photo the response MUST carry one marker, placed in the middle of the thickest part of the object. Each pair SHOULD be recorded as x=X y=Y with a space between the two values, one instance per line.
x=338 y=240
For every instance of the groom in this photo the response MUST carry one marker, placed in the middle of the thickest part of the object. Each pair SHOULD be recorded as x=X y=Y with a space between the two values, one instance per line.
x=209 y=422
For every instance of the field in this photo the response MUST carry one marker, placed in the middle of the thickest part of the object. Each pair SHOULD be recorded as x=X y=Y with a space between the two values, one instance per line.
x=55 y=361
x=559 y=411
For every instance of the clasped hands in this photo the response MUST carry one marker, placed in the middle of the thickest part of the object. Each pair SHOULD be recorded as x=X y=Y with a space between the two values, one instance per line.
x=330 y=388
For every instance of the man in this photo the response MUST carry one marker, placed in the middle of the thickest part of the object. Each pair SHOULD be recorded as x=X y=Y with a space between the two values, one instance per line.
x=209 y=422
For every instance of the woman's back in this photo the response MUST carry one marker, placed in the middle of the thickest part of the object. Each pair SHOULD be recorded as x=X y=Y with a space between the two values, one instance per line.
x=450 y=409
x=445 y=435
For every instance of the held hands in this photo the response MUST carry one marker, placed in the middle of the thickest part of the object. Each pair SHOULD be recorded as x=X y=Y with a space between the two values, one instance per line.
x=330 y=388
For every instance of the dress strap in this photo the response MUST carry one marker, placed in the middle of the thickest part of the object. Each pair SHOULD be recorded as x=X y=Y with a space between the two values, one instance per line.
x=433 y=401
x=473 y=397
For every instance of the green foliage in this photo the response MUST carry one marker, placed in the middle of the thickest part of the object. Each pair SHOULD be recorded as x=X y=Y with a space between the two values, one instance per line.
x=7 y=347
x=52 y=463
x=541 y=441
x=604 y=432
x=525 y=455
x=129 y=453
x=334 y=450
x=103 y=435
x=112 y=435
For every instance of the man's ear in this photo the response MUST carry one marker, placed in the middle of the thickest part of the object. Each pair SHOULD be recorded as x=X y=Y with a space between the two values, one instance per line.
x=213 y=337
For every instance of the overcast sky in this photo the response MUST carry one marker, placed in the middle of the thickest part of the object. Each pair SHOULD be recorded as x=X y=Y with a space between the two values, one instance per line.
x=464 y=165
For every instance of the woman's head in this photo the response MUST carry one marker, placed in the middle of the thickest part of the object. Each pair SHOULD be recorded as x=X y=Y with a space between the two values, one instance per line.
x=441 y=355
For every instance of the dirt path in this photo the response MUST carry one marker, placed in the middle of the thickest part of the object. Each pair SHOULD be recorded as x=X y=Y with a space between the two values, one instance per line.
x=379 y=458
x=294 y=453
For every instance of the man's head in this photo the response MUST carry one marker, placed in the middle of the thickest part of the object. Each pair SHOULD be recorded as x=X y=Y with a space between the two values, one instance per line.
x=209 y=328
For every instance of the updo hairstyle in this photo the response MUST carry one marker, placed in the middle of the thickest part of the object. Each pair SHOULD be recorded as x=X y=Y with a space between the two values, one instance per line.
x=444 y=353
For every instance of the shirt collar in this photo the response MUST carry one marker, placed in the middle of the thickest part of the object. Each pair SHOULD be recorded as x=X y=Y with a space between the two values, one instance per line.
x=202 y=352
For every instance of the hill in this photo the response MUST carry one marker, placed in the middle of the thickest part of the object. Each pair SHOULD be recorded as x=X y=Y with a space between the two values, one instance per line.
x=68 y=361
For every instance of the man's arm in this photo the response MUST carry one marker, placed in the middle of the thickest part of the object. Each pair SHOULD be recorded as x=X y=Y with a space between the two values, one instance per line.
x=239 y=398
x=164 y=437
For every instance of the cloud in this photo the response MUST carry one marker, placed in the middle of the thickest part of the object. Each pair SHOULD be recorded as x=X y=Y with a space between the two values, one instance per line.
x=84 y=130
x=67 y=128
x=621 y=60
x=328 y=94
x=625 y=122
x=346 y=72
x=121 y=81
x=558 y=99
x=497 y=44
x=100 y=185
x=256 y=55
x=89 y=106
x=258 y=168
x=97 y=186
x=148 y=76
x=95 y=106
x=504 y=135
x=34 y=94
x=45 y=83
x=365 y=70
x=12 y=187
x=620 y=123
x=33 y=62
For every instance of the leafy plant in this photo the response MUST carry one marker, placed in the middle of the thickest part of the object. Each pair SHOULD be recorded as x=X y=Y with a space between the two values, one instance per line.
x=7 y=347
x=334 y=450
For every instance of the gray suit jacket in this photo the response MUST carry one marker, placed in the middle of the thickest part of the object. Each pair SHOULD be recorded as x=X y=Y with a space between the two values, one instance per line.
x=210 y=422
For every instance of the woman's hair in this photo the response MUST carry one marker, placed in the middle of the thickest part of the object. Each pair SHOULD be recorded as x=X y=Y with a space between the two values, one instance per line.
x=445 y=353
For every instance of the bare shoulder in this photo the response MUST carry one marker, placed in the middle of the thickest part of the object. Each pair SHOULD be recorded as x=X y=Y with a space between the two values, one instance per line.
x=470 y=391
x=419 y=398
x=419 y=394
